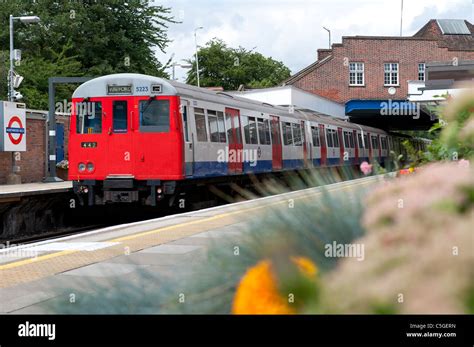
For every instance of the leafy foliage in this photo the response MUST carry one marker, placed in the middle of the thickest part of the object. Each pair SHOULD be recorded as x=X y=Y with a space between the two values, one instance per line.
x=223 y=66
x=82 y=38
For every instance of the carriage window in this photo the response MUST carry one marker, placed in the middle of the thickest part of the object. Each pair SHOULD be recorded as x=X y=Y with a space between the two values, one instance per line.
x=346 y=140
x=297 y=135
x=221 y=126
x=245 y=124
x=329 y=137
x=335 y=138
x=263 y=131
x=366 y=141
x=200 y=118
x=266 y=124
x=351 y=139
x=185 y=123
x=120 y=116
x=89 y=117
x=155 y=116
x=287 y=136
x=213 y=127
x=315 y=135
x=252 y=131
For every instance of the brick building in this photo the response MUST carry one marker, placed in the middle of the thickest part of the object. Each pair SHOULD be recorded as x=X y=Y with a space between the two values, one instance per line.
x=379 y=67
x=33 y=162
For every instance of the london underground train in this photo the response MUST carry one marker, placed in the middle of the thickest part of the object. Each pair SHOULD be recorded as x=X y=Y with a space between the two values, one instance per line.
x=142 y=139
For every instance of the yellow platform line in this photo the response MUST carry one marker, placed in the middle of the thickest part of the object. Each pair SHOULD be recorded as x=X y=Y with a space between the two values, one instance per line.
x=171 y=227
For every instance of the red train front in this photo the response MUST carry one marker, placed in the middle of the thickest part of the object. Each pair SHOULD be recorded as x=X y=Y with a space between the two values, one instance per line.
x=126 y=140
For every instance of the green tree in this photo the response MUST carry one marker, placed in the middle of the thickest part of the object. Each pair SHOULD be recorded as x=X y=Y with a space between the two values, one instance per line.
x=223 y=66
x=82 y=38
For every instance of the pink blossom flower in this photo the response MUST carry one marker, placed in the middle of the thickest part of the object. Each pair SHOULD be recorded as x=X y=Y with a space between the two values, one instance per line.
x=366 y=168
x=464 y=163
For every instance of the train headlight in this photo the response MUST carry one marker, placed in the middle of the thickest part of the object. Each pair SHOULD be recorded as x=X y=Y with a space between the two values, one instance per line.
x=81 y=167
x=90 y=167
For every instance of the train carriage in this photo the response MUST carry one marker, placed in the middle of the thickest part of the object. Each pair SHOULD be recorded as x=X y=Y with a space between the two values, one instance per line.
x=136 y=138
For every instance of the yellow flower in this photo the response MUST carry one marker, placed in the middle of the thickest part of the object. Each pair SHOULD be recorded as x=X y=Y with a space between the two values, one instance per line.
x=257 y=292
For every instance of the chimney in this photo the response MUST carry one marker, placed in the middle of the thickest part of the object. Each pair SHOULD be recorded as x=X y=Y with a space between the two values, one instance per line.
x=323 y=53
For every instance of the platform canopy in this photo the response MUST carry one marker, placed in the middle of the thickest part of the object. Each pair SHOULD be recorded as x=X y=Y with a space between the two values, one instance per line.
x=390 y=114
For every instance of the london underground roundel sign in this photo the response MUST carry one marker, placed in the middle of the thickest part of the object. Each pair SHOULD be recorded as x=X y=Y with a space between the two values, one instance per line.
x=15 y=130
x=13 y=124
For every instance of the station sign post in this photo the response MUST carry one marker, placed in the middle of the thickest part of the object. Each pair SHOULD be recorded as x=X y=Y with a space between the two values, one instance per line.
x=13 y=135
x=13 y=127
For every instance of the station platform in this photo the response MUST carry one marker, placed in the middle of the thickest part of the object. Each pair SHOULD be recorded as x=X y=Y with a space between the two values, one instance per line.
x=32 y=275
x=29 y=189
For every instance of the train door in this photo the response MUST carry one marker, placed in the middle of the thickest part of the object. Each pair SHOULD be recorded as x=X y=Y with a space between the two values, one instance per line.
x=305 y=145
x=324 y=149
x=188 y=137
x=341 y=146
x=277 y=157
x=235 y=140
x=120 y=155
x=356 y=146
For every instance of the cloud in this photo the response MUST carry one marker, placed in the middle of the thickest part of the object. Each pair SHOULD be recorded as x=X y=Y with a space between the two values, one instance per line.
x=291 y=30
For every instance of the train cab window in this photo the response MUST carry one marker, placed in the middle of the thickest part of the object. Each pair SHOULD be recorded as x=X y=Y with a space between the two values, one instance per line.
x=297 y=140
x=359 y=138
x=351 y=139
x=366 y=141
x=154 y=115
x=200 y=119
x=287 y=136
x=120 y=119
x=89 y=117
x=329 y=137
x=263 y=131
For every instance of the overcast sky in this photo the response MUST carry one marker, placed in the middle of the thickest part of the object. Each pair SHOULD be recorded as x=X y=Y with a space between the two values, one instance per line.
x=291 y=30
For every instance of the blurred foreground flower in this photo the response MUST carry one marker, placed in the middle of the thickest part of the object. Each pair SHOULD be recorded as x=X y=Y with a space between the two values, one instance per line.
x=366 y=168
x=258 y=291
x=419 y=248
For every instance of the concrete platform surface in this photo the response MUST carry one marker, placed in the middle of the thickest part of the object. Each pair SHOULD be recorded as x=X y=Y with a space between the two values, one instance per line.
x=33 y=275
x=28 y=189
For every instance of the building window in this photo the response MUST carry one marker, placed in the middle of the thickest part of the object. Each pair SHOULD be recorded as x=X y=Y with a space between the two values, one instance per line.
x=421 y=71
x=391 y=74
x=356 y=74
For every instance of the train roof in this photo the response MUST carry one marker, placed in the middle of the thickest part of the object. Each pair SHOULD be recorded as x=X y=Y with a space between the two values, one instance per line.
x=124 y=83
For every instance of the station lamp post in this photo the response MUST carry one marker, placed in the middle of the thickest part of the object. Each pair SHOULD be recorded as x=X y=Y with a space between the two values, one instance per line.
x=15 y=178
x=26 y=20
x=197 y=60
